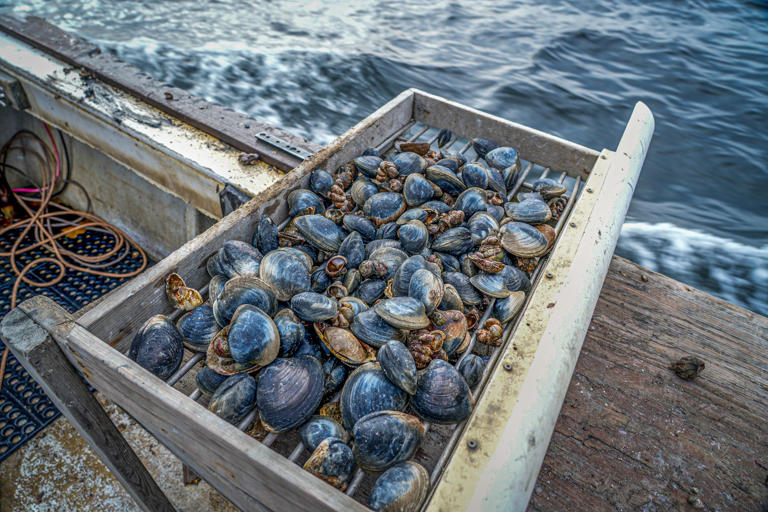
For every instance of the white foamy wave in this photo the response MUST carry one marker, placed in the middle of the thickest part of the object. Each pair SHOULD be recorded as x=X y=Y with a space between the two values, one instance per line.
x=731 y=270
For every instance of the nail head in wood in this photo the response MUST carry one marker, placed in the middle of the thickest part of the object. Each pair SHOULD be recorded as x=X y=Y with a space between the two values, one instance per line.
x=507 y=366
x=472 y=444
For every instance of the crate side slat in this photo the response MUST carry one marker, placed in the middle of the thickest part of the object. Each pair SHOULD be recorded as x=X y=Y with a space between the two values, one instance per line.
x=533 y=145
x=119 y=314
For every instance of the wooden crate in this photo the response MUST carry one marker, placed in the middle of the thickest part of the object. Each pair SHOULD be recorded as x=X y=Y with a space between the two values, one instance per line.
x=493 y=459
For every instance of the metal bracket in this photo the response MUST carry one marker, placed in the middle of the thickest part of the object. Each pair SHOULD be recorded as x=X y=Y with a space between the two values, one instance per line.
x=284 y=146
x=11 y=93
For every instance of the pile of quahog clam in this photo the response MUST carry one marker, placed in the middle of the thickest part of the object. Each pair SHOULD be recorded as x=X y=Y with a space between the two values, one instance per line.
x=352 y=323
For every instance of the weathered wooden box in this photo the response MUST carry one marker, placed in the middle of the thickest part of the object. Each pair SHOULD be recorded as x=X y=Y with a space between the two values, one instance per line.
x=489 y=462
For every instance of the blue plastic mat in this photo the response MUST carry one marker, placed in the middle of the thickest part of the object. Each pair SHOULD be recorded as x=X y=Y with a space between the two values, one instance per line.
x=24 y=408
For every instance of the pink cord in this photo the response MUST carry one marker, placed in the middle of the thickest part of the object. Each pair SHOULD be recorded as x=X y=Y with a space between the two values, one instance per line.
x=58 y=165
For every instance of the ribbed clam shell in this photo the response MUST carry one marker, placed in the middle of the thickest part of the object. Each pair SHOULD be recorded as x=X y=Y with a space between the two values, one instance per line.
x=291 y=331
x=402 y=312
x=505 y=310
x=360 y=224
x=446 y=179
x=361 y=190
x=265 y=237
x=401 y=488
x=234 y=398
x=475 y=175
x=253 y=336
x=531 y=211
x=320 y=428
x=304 y=202
x=285 y=273
x=208 y=381
x=413 y=236
x=384 y=438
x=523 y=240
x=515 y=279
x=237 y=258
x=313 y=307
x=472 y=368
x=471 y=201
x=319 y=232
x=428 y=288
x=368 y=390
x=157 y=347
x=492 y=285
x=197 y=328
x=243 y=290
x=502 y=157
x=456 y=241
x=417 y=190
x=442 y=395
x=321 y=182
x=332 y=461
x=289 y=391
x=482 y=225
x=384 y=207
x=370 y=328
x=483 y=146
x=368 y=164
x=345 y=346
x=398 y=365
x=469 y=295
x=409 y=163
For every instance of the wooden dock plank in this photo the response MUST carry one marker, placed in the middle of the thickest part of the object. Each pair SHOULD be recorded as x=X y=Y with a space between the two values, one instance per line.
x=632 y=435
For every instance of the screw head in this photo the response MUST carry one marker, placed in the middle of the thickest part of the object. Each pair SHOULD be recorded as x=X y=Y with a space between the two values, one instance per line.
x=471 y=444
x=549 y=275
x=572 y=224
x=590 y=190
x=507 y=366
x=604 y=157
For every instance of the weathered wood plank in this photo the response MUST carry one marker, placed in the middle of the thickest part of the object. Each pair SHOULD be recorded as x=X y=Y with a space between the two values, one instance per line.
x=533 y=145
x=46 y=363
x=248 y=473
x=631 y=434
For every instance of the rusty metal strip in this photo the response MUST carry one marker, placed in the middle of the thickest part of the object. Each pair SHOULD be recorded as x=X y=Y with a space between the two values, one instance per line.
x=233 y=128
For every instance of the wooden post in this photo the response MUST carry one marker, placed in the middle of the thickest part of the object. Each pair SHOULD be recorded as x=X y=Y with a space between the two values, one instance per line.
x=37 y=351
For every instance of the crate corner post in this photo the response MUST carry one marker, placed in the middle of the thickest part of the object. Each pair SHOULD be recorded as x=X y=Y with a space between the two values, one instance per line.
x=29 y=332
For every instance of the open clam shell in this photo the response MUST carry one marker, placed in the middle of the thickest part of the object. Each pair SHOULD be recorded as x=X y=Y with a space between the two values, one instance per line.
x=179 y=295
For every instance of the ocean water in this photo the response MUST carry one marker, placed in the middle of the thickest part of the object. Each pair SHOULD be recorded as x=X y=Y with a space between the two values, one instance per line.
x=572 y=68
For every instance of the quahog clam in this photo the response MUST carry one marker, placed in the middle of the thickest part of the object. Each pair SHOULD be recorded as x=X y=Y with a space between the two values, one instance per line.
x=369 y=390
x=384 y=438
x=442 y=395
x=401 y=488
x=157 y=347
x=289 y=391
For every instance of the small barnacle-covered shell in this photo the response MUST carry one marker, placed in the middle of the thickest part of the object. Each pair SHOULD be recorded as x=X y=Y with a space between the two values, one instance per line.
x=442 y=395
x=505 y=309
x=234 y=398
x=320 y=428
x=384 y=207
x=428 y=288
x=455 y=241
x=472 y=368
x=402 y=312
x=471 y=201
x=531 y=211
x=453 y=324
x=285 y=272
x=157 y=347
x=332 y=461
x=398 y=365
x=502 y=157
x=401 y=488
x=243 y=290
x=490 y=333
x=370 y=328
x=469 y=295
x=319 y=232
x=238 y=258
x=179 y=295
x=208 y=381
x=197 y=328
x=253 y=337
x=291 y=331
x=344 y=345
x=368 y=390
x=289 y=392
x=523 y=240
x=492 y=285
x=384 y=438
x=313 y=307
x=304 y=202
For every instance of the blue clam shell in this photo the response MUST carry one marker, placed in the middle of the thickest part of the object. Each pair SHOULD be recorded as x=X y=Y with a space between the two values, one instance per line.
x=368 y=390
x=265 y=238
x=253 y=336
x=502 y=157
x=413 y=236
x=157 y=347
x=482 y=225
x=471 y=368
x=475 y=175
x=388 y=230
x=215 y=287
x=368 y=165
x=505 y=309
x=369 y=151
x=409 y=163
x=335 y=372
x=390 y=257
x=208 y=381
x=382 y=243
x=483 y=146
x=438 y=206
x=469 y=295
x=412 y=214
x=239 y=291
x=456 y=241
x=515 y=279
x=320 y=182
x=353 y=249
x=471 y=201
x=303 y=201
x=532 y=211
x=442 y=395
x=332 y=461
x=360 y=224
x=320 y=280
x=237 y=258
x=370 y=328
x=548 y=188
x=495 y=211
x=449 y=164
x=313 y=307
x=400 y=488
x=384 y=207
x=370 y=290
x=320 y=428
x=361 y=190
x=402 y=278
x=523 y=240
x=449 y=261
x=384 y=438
x=234 y=398
x=285 y=272
x=320 y=232
x=402 y=312
x=417 y=190
x=492 y=285
x=198 y=327
x=398 y=365
x=428 y=288
x=291 y=332
x=289 y=392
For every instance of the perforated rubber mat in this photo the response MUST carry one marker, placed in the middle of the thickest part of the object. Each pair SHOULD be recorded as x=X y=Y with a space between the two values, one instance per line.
x=24 y=408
